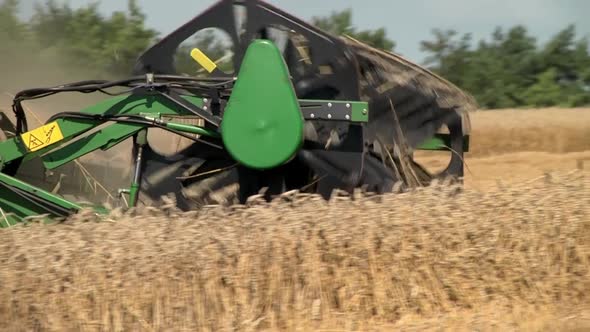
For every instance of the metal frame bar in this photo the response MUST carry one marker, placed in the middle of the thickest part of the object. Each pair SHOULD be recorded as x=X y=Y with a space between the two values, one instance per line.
x=26 y=200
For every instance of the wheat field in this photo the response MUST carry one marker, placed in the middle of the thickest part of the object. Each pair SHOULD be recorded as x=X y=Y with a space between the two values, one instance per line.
x=509 y=252
x=518 y=145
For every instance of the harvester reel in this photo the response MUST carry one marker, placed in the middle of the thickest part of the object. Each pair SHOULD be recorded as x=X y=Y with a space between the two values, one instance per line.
x=407 y=103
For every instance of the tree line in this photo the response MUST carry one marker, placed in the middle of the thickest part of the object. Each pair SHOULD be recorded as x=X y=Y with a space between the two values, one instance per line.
x=509 y=70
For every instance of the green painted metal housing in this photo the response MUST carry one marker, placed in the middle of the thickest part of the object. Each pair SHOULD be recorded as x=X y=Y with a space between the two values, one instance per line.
x=13 y=208
x=262 y=126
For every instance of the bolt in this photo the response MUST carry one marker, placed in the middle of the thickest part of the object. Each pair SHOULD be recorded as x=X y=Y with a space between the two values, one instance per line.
x=312 y=115
x=347 y=105
x=347 y=117
x=365 y=111
x=329 y=116
x=329 y=104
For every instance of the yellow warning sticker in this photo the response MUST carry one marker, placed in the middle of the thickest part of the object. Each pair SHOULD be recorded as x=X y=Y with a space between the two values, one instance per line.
x=41 y=137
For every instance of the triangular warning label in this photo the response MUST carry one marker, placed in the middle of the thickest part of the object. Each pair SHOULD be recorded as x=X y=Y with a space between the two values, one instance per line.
x=42 y=137
x=34 y=142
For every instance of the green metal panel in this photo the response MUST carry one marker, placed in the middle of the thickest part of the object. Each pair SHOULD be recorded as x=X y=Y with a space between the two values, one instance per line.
x=360 y=112
x=116 y=132
x=11 y=150
x=16 y=183
x=14 y=208
x=10 y=203
x=262 y=125
x=14 y=148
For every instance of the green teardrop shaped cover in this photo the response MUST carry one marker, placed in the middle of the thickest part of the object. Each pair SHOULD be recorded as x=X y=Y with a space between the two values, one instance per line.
x=262 y=126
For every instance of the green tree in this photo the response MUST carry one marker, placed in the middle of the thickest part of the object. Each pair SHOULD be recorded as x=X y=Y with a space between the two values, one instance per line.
x=559 y=53
x=11 y=29
x=485 y=79
x=581 y=95
x=546 y=92
x=340 y=23
x=84 y=37
x=571 y=63
x=510 y=69
x=450 y=57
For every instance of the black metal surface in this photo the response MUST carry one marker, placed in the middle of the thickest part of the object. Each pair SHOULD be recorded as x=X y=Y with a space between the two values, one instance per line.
x=340 y=166
x=456 y=165
x=326 y=111
x=204 y=112
x=326 y=50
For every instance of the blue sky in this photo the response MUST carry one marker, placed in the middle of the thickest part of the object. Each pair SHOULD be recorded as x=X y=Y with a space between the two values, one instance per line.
x=407 y=22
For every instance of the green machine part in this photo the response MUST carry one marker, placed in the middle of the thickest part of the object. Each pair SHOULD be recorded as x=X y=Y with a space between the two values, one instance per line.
x=19 y=200
x=262 y=126
x=14 y=207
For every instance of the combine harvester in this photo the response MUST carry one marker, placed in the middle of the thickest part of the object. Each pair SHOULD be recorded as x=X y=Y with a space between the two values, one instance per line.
x=303 y=110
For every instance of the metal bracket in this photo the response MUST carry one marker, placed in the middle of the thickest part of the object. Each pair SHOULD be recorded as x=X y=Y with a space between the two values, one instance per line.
x=149 y=78
x=203 y=112
x=121 y=194
x=334 y=110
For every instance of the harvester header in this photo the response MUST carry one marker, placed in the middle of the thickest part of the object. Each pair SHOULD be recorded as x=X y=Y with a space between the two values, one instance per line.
x=302 y=110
